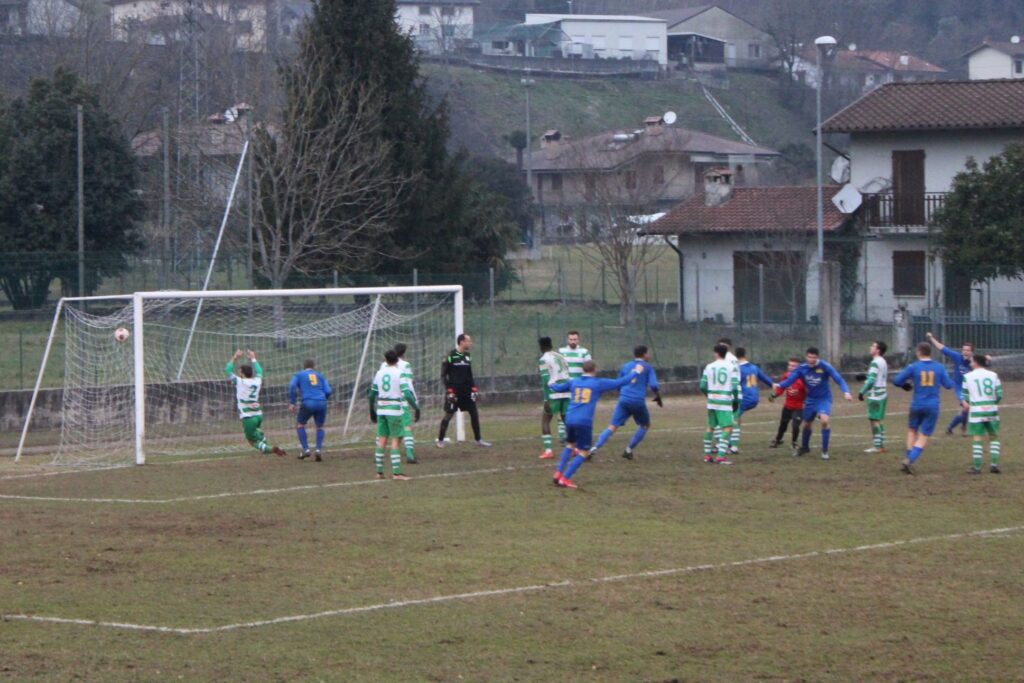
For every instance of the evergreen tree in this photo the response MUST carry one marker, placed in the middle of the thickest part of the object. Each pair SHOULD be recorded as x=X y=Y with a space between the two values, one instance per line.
x=38 y=192
x=436 y=218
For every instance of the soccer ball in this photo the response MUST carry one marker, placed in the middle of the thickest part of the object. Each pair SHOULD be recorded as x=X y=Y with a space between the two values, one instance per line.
x=121 y=334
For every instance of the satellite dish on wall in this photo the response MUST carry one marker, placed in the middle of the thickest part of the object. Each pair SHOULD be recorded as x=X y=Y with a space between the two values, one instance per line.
x=670 y=117
x=848 y=199
x=1015 y=40
x=852 y=47
x=840 y=172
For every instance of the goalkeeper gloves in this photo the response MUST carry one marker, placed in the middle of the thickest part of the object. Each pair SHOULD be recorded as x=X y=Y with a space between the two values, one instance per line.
x=771 y=397
x=860 y=397
x=373 y=415
x=657 y=399
x=860 y=377
x=416 y=415
x=450 y=401
x=735 y=406
x=474 y=394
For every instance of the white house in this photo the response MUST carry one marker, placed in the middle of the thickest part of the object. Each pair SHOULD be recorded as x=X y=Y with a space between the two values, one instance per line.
x=40 y=17
x=245 y=22
x=746 y=254
x=707 y=36
x=996 y=60
x=907 y=141
x=437 y=26
x=608 y=36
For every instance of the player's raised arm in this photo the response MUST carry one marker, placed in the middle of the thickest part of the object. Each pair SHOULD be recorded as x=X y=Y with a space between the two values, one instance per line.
x=765 y=379
x=935 y=342
x=229 y=369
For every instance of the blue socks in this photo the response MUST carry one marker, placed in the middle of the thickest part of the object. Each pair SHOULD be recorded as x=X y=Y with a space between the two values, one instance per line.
x=957 y=421
x=573 y=466
x=825 y=434
x=805 y=439
x=303 y=441
x=637 y=438
x=319 y=438
x=603 y=439
x=563 y=461
x=914 y=453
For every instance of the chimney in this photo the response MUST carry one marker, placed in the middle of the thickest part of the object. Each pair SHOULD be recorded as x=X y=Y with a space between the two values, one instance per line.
x=653 y=125
x=550 y=142
x=718 y=186
x=904 y=59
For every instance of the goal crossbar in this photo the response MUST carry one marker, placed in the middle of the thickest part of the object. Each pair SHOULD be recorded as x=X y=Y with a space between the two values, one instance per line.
x=138 y=300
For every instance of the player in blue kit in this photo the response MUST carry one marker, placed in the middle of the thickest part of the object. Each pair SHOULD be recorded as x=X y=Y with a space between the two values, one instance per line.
x=584 y=392
x=816 y=374
x=961 y=366
x=750 y=375
x=925 y=376
x=633 y=402
x=315 y=391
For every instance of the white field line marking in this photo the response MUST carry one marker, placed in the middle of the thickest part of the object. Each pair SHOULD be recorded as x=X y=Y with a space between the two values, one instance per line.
x=534 y=588
x=266 y=492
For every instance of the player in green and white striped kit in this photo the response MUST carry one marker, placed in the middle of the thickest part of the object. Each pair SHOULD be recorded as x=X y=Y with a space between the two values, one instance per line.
x=407 y=439
x=875 y=391
x=574 y=354
x=982 y=393
x=390 y=394
x=554 y=368
x=247 y=398
x=720 y=382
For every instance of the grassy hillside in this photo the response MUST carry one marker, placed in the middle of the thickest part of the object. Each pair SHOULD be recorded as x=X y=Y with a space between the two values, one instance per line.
x=485 y=106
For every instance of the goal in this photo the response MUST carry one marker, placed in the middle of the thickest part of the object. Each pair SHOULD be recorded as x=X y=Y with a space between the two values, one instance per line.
x=163 y=392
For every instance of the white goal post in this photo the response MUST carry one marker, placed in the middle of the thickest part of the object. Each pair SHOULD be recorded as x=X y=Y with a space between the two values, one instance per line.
x=314 y=322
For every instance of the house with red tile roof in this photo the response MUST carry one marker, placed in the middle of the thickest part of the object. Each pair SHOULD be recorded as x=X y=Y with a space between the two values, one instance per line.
x=651 y=168
x=748 y=253
x=864 y=70
x=906 y=143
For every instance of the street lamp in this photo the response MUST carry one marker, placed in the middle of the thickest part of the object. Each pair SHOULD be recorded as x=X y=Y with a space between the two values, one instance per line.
x=527 y=83
x=824 y=44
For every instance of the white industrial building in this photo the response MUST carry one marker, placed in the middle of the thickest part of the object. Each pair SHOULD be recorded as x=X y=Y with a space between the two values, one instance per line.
x=607 y=36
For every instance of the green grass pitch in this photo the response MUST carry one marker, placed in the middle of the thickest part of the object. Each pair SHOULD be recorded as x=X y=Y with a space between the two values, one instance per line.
x=479 y=569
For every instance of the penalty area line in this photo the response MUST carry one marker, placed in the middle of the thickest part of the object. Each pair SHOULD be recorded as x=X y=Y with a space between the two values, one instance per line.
x=516 y=590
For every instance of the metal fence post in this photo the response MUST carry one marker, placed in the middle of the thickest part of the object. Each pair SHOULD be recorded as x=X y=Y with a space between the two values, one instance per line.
x=21 y=359
x=604 y=297
x=494 y=332
x=760 y=291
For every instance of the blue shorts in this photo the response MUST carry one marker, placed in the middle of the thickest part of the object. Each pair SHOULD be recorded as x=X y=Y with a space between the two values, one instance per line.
x=317 y=411
x=813 y=409
x=580 y=436
x=922 y=420
x=637 y=411
x=746 y=406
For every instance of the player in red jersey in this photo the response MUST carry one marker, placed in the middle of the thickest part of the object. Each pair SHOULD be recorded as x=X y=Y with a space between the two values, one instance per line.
x=793 y=408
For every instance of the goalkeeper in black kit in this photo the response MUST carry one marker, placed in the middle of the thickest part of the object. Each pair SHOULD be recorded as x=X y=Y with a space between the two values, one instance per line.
x=460 y=389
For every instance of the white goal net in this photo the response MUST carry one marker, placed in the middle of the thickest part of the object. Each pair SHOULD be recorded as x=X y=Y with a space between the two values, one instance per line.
x=188 y=401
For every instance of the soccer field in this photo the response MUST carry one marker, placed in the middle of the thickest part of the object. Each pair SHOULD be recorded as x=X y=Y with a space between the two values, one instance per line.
x=249 y=567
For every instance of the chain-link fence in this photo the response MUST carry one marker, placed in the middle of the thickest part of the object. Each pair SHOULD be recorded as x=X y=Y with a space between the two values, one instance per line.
x=679 y=313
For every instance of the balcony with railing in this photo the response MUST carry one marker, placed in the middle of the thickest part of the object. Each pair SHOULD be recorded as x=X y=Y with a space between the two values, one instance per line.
x=903 y=210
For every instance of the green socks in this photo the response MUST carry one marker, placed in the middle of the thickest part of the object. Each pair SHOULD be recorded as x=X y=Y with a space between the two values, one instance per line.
x=708 y=450
x=396 y=461
x=378 y=459
x=546 y=438
x=977 y=451
x=993 y=452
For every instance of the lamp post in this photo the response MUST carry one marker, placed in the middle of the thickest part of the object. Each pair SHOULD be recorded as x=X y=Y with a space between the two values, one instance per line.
x=527 y=83
x=823 y=44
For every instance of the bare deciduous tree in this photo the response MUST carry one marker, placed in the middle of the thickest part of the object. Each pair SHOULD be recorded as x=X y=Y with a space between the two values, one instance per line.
x=324 y=187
